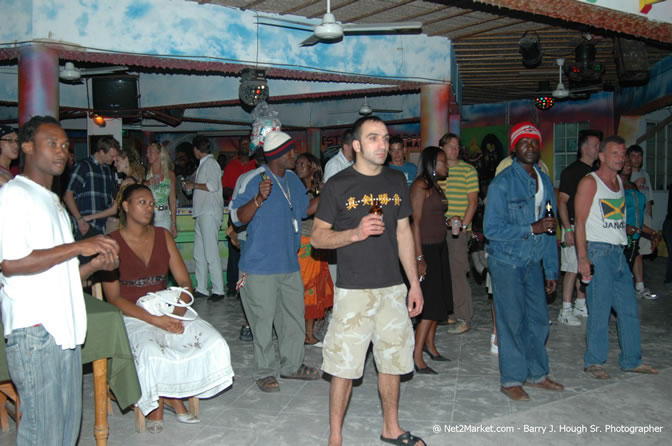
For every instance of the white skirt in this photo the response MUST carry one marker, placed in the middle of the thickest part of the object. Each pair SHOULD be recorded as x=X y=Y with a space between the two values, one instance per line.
x=194 y=363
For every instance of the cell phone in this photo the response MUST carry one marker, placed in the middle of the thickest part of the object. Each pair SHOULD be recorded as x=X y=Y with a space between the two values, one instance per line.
x=264 y=177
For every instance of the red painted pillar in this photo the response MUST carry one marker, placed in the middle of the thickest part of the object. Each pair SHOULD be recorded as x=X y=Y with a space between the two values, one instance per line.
x=434 y=114
x=38 y=82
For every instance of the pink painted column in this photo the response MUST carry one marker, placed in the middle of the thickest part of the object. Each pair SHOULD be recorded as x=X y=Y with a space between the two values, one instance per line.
x=38 y=82
x=434 y=114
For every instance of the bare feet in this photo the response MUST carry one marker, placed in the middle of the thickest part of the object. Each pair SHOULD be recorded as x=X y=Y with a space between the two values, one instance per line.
x=335 y=440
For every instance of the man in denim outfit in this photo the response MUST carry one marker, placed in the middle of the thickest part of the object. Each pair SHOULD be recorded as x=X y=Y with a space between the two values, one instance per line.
x=519 y=243
x=599 y=209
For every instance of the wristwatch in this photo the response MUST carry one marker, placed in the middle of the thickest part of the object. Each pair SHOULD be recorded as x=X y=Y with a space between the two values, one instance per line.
x=464 y=227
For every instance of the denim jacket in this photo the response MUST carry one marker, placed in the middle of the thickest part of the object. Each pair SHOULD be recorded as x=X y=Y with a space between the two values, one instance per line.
x=509 y=212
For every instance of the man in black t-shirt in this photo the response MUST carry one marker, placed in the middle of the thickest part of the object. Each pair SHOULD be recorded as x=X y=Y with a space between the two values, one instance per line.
x=589 y=147
x=370 y=295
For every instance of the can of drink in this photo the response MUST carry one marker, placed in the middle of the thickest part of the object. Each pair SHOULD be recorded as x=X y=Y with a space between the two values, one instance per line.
x=455 y=227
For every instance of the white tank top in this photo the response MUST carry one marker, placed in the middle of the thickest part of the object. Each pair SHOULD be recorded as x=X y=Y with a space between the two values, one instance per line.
x=606 y=219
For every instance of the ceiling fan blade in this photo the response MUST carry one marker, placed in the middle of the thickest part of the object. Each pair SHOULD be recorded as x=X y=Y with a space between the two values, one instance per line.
x=381 y=27
x=101 y=70
x=385 y=110
x=342 y=112
x=312 y=40
x=266 y=20
x=587 y=89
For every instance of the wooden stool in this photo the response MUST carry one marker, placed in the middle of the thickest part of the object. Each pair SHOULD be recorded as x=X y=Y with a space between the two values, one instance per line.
x=7 y=394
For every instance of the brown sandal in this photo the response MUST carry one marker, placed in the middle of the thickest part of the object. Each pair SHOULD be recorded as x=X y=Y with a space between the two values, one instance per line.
x=268 y=384
x=596 y=372
x=643 y=368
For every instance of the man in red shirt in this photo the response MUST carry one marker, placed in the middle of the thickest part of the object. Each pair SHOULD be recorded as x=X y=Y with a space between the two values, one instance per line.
x=235 y=168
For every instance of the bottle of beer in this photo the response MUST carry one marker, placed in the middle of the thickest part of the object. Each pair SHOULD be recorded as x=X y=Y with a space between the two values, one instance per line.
x=376 y=208
x=549 y=214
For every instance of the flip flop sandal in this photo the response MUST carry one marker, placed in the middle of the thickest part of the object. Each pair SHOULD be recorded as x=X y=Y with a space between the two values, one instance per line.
x=405 y=439
x=304 y=373
x=642 y=368
x=596 y=372
x=268 y=384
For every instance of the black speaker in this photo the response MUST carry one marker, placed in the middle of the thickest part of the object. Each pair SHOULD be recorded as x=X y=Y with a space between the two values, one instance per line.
x=632 y=64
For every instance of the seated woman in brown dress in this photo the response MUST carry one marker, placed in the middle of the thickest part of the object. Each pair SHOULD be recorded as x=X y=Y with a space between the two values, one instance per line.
x=174 y=359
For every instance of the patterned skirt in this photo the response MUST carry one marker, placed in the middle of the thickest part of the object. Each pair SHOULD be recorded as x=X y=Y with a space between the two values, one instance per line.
x=194 y=363
x=319 y=290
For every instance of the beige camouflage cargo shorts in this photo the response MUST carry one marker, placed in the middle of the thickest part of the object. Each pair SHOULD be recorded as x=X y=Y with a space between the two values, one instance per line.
x=363 y=316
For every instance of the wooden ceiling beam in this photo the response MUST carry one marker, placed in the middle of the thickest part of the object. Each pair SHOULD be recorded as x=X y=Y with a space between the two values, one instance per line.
x=423 y=13
x=379 y=10
x=517 y=22
x=333 y=8
x=470 y=25
x=448 y=17
x=300 y=7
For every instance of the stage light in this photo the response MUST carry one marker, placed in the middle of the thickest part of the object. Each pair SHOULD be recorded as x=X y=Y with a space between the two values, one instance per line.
x=530 y=48
x=253 y=86
x=544 y=102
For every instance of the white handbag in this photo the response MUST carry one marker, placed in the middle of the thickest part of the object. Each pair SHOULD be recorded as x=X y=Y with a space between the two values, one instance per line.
x=162 y=303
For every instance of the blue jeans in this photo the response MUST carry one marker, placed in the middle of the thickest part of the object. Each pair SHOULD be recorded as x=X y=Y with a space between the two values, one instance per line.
x=611 y=287
x=667 y=233
x=49 y=383
x=522 y=321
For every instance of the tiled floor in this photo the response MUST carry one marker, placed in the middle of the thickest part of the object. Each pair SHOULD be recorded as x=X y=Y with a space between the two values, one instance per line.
x=465 y=393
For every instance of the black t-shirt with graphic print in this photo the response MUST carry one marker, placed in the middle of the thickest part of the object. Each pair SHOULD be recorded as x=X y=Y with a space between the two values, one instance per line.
x=344 y=201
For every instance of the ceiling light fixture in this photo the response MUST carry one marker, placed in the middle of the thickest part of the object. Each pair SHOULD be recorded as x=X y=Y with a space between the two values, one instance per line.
x=98 y=120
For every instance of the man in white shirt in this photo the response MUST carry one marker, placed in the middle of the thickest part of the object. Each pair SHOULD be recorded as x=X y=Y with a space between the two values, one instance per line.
x=43 y=311
x=342 y=160
x=208 y=211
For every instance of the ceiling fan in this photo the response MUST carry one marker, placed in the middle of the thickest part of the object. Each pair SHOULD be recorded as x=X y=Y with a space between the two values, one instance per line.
x=562 y=92
x=70 y=73
x=329 y=30
x=366 y=110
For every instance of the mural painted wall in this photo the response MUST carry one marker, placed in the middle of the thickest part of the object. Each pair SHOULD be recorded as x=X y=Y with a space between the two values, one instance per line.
x=479 y=119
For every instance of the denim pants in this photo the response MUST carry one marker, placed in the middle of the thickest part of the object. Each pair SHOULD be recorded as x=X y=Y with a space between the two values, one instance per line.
x=667 y=233
x=48 y=380
x=522 y=321
x=611 y=287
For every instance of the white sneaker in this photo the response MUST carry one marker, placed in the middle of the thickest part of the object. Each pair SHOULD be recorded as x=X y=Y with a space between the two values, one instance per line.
x=566 y=317
x=580 y=311
x=646 y=293
x=493 y=347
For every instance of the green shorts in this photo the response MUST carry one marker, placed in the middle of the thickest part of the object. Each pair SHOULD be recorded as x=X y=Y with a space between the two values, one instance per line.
x=363 y=316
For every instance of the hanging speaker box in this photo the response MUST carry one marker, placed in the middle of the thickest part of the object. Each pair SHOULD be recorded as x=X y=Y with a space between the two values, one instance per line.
x=632 y=64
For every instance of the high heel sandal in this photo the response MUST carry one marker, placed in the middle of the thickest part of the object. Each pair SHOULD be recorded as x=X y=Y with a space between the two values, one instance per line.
x=153 y=426
x=425 y=370
x=437 y=357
